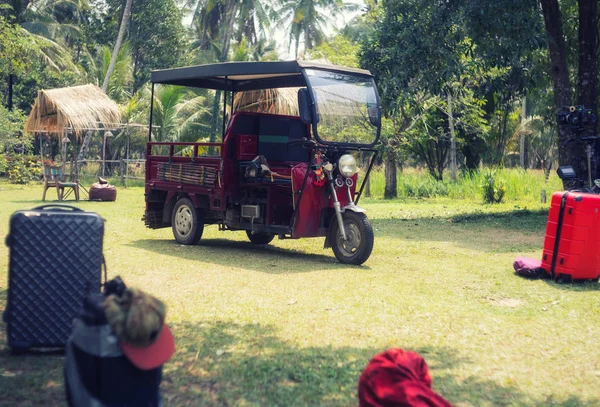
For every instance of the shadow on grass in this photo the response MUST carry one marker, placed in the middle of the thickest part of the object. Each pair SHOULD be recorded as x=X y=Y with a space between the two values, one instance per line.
x=268 y=259
x=511 y=231
x=221 y=363
x=225 y=363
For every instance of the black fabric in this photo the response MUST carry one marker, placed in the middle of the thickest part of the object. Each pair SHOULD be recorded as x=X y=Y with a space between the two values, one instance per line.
x=92 y=313
x=55 y=259
x=282 y=130
x=115 y=381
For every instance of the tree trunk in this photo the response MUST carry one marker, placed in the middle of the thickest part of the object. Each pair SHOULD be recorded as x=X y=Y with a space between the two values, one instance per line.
x=522 y=159
x=452 y=139
x=587 y=83
x=118 y=43
x=569 y=153
x=391 y=182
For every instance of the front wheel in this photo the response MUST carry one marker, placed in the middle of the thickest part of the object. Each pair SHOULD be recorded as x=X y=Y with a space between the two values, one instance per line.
x=357 y=248
x=187 y=222
x=260 y=237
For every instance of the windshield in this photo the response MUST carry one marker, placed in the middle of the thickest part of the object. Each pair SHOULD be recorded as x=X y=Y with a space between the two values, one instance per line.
x=347 y=108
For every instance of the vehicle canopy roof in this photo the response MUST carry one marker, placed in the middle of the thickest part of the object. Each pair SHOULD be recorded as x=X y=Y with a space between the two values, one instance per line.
x=243 y=76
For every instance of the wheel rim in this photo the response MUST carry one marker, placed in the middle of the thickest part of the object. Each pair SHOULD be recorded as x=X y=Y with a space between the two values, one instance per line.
x=350 y=246
x=183 y=221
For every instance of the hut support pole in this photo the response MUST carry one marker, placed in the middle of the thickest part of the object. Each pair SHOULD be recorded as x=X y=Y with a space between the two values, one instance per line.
x=127 y=159
x=64 y=152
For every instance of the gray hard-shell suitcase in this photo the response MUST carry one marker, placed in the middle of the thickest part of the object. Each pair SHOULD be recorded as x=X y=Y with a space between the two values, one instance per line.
x=55 y=260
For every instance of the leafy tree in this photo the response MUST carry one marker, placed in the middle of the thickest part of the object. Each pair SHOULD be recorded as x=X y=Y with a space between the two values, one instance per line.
x=156 y=37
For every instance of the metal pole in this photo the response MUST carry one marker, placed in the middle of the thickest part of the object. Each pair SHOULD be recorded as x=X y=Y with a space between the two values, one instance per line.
x=151 y=110
x=224 y=109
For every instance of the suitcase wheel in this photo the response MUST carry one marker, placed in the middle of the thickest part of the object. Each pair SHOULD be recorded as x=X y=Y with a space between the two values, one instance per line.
x=564 y=279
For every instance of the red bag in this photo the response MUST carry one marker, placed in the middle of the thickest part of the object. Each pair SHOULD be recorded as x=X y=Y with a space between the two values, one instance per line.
x=397 y=378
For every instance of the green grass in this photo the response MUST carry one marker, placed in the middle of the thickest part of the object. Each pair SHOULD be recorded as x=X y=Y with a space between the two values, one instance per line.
x=287 y=325
x=521 y=186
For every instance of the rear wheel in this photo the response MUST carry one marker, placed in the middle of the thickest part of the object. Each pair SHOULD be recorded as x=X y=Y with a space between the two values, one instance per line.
x=260 y=237
x=187 y=222
x=357 y=248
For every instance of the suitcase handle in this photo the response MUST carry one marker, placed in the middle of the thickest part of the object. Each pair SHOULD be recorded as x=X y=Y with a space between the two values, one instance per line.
x=57 y=206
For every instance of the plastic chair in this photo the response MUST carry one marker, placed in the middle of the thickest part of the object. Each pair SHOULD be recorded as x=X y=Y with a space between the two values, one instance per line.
x=54 y=178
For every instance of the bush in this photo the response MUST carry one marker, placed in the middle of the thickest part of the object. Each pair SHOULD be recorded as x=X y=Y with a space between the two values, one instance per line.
x=22 y=169
x=493 y=188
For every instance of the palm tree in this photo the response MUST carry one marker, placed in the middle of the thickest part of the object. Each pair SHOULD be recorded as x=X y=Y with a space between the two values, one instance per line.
x=176 y=114
x=118 y=42
x=53 y=24
x=120 y=82
x=307 y=19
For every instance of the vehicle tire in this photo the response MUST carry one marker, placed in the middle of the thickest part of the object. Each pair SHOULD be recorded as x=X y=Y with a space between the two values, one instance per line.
x=187 y=222
x=357 y=248
x=260 y=237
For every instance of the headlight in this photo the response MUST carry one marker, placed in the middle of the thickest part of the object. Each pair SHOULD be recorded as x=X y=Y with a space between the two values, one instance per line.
x=347 y=165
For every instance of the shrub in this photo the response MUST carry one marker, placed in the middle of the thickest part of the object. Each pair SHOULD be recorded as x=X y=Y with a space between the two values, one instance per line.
x=493 y=188
x=23 y=169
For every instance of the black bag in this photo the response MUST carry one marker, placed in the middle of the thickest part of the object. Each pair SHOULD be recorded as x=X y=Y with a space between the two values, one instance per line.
x=96 y=371
x=55 y=260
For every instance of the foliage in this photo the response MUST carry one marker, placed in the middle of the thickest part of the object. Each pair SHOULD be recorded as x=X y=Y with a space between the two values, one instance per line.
x=22 y=169
x=11 y=130
x=306 y=20
x=493 y=188
x=176 y=114
x=156 y=37
x=15 y=48
x=121 y=80
x=339 y=50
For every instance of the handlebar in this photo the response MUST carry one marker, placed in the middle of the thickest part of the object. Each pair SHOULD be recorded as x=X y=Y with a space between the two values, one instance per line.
x=303 y=141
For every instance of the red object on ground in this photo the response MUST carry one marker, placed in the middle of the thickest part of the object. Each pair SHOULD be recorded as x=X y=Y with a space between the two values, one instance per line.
x=572 y=242
x=397 y=378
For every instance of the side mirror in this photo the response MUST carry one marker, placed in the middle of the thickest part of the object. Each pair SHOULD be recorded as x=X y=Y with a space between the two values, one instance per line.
x=304 y=106
x=566 y=172
x=374 y=114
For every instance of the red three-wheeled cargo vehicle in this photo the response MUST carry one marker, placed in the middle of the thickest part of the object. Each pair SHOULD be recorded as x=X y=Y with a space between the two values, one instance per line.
x=285 y=163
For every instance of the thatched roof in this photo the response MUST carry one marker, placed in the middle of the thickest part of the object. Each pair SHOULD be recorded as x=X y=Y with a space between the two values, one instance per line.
x=78 y=108
x=275 y=101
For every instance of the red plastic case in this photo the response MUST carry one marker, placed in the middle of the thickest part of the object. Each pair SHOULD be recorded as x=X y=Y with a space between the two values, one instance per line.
x=246 y=146
x=574 y=221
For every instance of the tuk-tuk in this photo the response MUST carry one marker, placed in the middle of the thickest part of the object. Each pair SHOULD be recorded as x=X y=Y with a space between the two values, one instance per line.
x=291 y=175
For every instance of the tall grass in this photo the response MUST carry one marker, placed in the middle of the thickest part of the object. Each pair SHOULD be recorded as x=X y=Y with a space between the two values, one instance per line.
x=415 y=183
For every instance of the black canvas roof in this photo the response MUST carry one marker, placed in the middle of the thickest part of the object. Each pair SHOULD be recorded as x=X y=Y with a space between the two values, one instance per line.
x=240 y=76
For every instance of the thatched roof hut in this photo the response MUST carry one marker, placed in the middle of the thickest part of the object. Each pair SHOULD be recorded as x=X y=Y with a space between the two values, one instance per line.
x=76 y=108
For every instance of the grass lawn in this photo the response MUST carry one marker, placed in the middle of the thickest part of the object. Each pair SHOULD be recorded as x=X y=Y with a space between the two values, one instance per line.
x=287 y=325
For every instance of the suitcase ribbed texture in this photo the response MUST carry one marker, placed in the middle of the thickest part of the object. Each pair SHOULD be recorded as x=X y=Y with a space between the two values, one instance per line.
x=55 y=260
